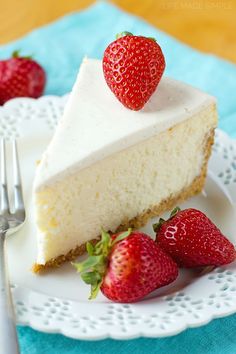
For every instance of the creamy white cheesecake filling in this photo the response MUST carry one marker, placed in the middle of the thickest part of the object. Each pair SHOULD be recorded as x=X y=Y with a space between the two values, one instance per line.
x=72 y=209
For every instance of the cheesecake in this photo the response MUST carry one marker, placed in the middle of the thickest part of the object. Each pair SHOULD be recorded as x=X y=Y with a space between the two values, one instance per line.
x=110 y=167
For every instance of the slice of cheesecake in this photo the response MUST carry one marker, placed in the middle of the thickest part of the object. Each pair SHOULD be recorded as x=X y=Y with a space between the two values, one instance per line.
x=110 y=167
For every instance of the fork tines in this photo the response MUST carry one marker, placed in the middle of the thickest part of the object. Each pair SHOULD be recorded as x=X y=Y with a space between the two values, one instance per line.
x=19 y=210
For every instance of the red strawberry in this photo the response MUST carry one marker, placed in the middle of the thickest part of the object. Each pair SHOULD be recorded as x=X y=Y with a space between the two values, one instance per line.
x=192 y=239
x=126 y=266
x=133 y=67
x=20 y=77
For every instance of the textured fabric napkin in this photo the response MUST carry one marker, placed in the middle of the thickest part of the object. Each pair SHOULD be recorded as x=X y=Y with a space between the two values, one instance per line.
x=60 y=47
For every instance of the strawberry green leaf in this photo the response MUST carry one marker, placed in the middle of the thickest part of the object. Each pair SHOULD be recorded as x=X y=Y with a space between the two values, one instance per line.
x=16 y=54
x=105 y=236
x=95 y=280
x=106 y=242
x=174 y=211
x=94 y=290
x=89 y=263
x=156 y=227
x=91 y=277
x=122 y=236
x=123 y=34
x=98 y=248
x=103 y=246
x=90 y=248
x=152 y=38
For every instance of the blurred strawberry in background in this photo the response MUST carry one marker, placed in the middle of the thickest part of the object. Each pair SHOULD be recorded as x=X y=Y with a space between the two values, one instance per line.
x=21 y=76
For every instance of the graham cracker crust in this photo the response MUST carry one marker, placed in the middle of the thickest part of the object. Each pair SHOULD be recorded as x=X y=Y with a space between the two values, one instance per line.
x=140 y=220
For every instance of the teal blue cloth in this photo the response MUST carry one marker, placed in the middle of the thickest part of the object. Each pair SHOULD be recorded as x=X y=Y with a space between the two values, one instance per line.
x=218 y=337
x=59 y=47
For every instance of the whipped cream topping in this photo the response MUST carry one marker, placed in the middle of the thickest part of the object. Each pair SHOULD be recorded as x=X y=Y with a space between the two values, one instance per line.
x=96 y=125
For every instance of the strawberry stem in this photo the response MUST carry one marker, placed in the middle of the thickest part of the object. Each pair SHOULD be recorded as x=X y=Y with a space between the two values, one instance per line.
x=123 y=34
x=93 y=269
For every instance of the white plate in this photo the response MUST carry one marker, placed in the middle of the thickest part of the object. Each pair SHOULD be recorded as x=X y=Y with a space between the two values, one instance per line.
x=57 y=302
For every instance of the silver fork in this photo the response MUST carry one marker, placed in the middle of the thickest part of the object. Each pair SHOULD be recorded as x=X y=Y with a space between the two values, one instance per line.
x=10 y=221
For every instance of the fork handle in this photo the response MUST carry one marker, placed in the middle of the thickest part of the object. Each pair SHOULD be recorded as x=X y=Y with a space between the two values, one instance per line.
x=8 y=336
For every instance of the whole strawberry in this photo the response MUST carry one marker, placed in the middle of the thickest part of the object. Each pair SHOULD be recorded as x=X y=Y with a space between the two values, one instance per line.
x=20 y=77
x=133 y=67
x=192 y=239
x=126 y=266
